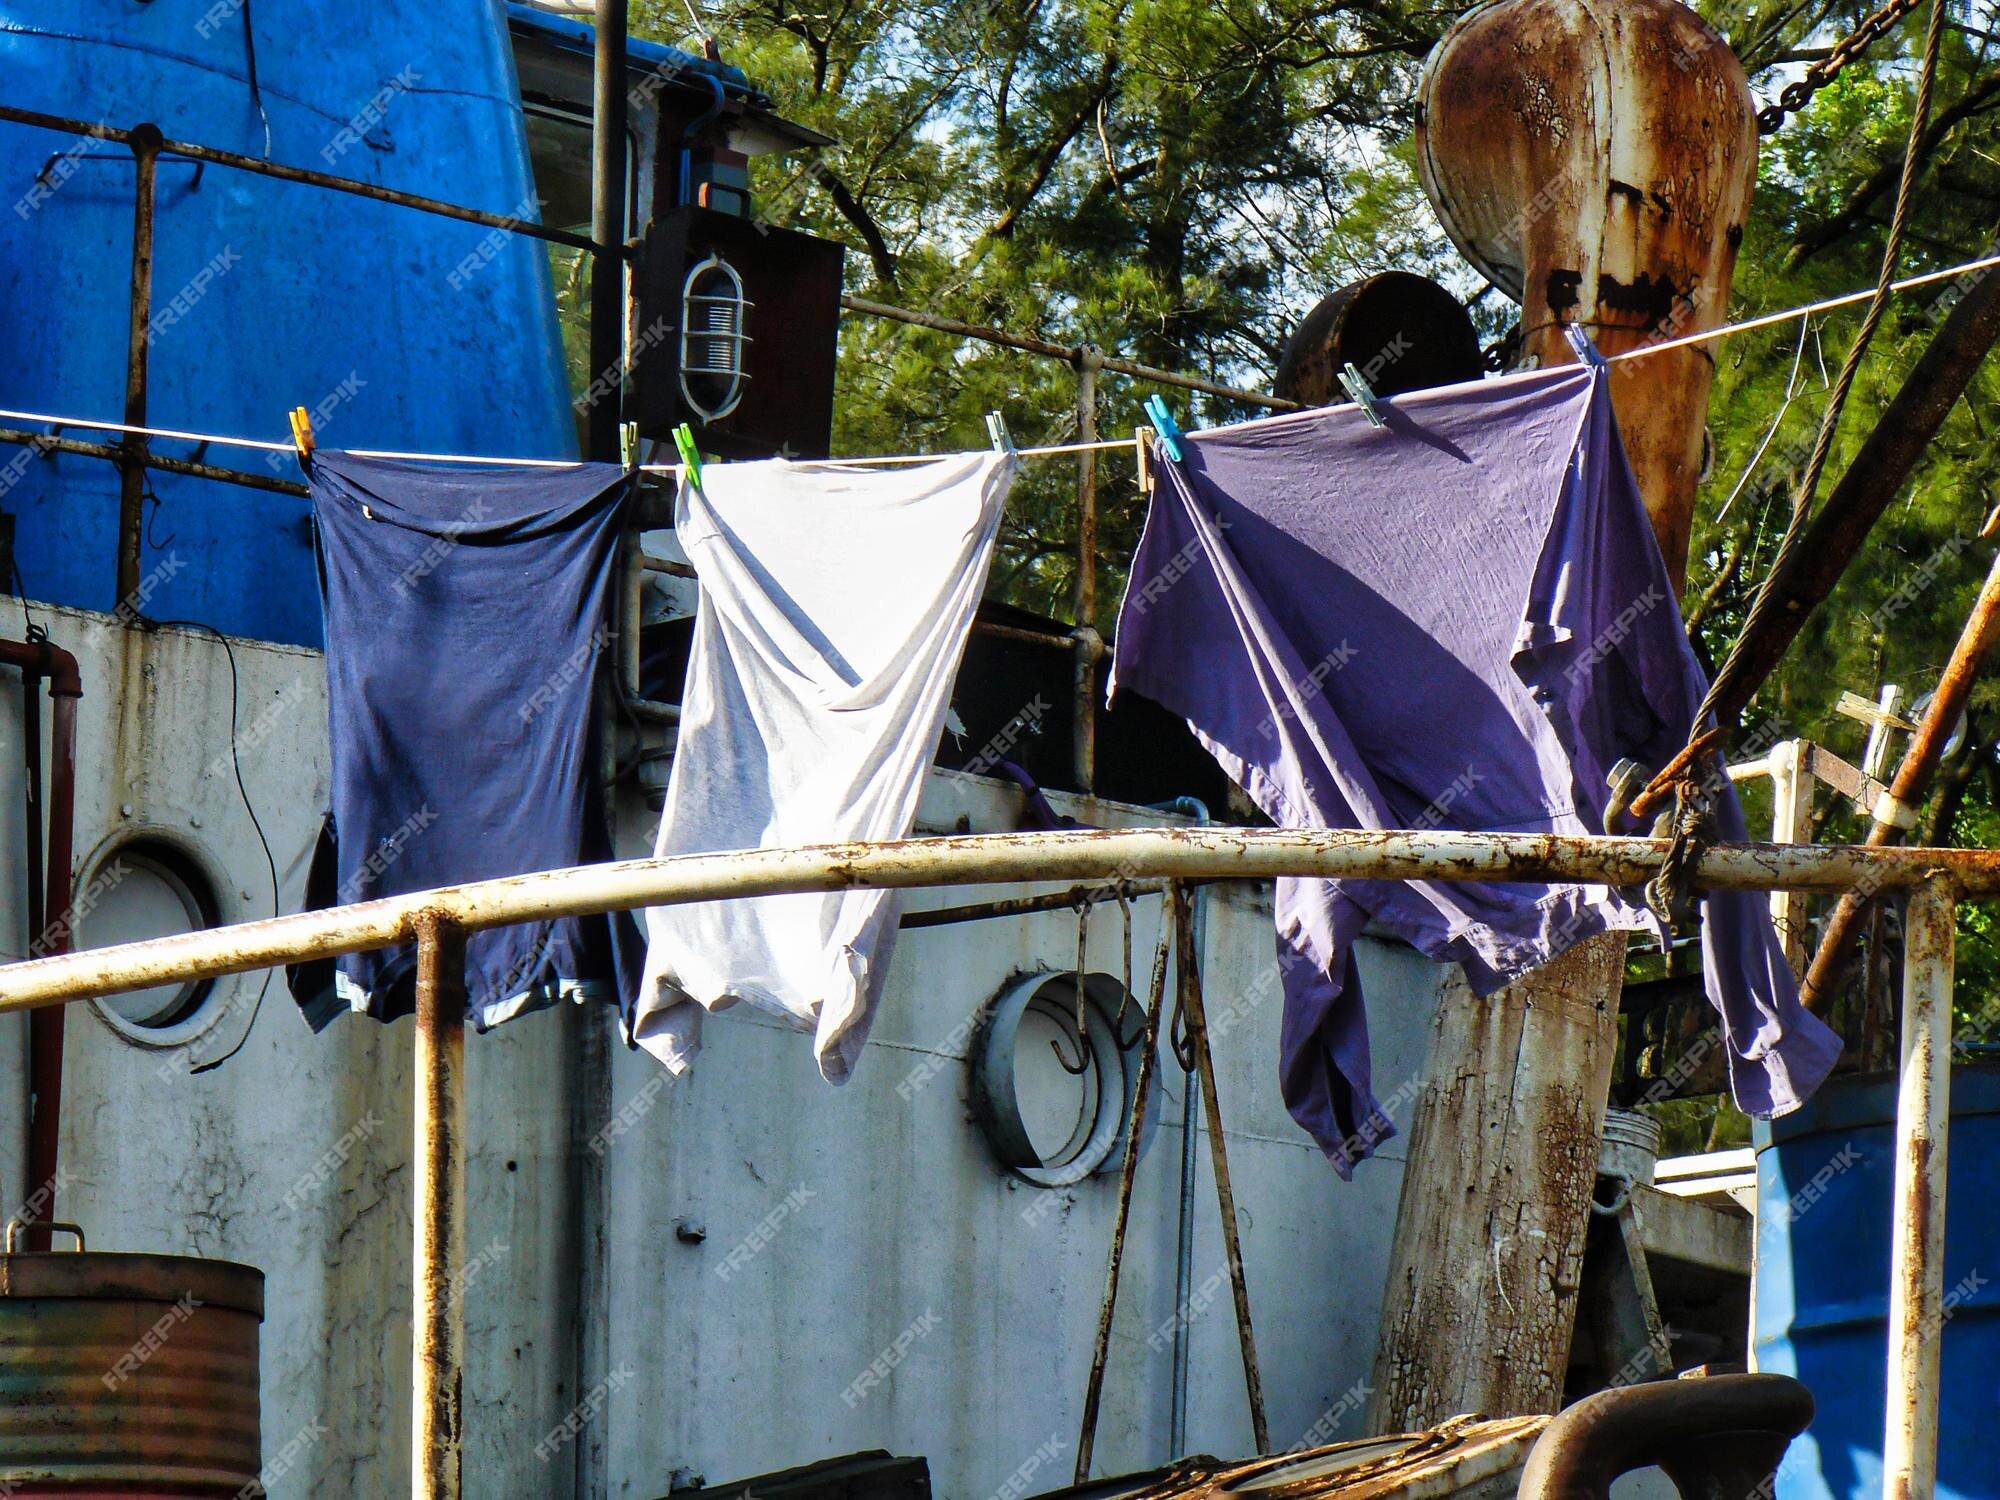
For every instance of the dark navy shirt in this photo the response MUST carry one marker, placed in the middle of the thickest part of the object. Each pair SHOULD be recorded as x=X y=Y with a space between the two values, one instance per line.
x=467 y=607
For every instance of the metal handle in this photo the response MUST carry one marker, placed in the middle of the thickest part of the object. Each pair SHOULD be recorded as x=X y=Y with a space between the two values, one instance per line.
x=17 y=1224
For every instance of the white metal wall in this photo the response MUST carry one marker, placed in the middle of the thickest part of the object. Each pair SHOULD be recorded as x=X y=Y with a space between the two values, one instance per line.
x=884 y=1218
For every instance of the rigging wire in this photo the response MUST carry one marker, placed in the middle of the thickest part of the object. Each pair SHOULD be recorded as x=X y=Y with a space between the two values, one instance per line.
x=1765 y=601
x=236 y=762
x=1791 y=390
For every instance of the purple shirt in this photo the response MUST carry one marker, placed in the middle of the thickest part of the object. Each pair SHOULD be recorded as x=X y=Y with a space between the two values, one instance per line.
x=1460 y=620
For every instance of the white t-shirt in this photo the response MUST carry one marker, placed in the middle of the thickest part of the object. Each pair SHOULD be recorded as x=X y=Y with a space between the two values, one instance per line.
x=835 y=604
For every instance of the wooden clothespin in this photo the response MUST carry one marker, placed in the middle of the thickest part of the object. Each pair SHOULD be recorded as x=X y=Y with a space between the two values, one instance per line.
x=1142 y=439
x=690 y=454
x=1170 y=432
x=628 y=444
x=302 y=433
x=1363 y=395
x=996 y=428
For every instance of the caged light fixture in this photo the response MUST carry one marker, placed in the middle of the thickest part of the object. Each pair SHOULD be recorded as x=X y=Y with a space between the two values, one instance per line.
x=713 y=314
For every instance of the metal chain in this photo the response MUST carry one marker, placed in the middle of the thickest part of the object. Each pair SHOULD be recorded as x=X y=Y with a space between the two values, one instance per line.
x=1795 y=96
x=1670 y=895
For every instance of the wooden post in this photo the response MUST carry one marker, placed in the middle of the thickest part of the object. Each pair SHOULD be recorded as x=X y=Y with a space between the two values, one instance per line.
x=1488 y=1254
x=1791 y=823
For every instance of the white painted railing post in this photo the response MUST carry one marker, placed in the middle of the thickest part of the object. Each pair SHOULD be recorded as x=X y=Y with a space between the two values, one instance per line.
x=1916 y=1284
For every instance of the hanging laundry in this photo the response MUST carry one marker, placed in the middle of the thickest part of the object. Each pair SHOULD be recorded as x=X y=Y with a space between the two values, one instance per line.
x=466 y=608
x=1460 y=620
x=835 y=605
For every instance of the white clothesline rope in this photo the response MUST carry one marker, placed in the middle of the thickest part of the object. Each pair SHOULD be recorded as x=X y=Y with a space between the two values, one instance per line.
x=267 y=446
x=1726 y=330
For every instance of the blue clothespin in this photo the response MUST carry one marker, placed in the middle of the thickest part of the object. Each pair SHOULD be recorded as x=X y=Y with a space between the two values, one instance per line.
x=1359 y=390
x=1170 y=432
x=690 y=455
x=996 y=428
x=1586 y=351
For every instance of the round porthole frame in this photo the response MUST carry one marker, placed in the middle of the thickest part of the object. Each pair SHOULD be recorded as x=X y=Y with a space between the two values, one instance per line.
x=203 y=890
x=1097 y=1145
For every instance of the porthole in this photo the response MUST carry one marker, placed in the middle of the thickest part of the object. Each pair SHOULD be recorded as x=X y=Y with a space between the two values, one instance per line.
x=1054 y=1108
x=146 y=887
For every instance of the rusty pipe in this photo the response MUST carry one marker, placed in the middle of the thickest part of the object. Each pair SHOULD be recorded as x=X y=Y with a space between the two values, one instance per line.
x=1916 y=1273
x=46 y=445
x=437 y=1432
x=192 y=151
x=145 y=143
x=43 y=659
x=978 y=859
x=1721 y=1435
x=607 y=224
x=1895 y=812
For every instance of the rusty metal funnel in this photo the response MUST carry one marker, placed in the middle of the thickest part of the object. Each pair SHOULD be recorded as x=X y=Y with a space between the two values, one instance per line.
x=1594 y=159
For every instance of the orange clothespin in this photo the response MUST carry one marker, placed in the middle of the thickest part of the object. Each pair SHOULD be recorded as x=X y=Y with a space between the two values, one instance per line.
x=302 y=433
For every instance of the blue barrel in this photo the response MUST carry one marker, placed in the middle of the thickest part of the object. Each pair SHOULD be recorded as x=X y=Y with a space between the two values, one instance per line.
x=1825 y=1184
x=402 y=329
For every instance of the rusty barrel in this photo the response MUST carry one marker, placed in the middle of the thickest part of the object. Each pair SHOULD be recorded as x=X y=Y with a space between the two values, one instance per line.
x=127 y=1375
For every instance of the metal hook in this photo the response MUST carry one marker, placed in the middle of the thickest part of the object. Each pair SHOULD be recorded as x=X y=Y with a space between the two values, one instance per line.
x=1082 y=1037
x=1125 y=1043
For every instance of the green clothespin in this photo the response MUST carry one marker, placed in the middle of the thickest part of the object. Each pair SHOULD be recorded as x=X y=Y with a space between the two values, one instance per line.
x=690 y=455
x=628 y=444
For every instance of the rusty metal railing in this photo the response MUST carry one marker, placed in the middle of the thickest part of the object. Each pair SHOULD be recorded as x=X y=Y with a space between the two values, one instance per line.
x=438 y=920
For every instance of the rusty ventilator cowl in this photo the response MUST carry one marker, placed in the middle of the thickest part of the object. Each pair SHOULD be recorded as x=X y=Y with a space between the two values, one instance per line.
x=1594 y=159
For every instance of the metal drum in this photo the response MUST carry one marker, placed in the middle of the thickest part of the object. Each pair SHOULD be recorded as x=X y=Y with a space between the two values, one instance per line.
x=127 y=1375
x=1820 y=1294
x=1631 y=1146
x=1400 y=332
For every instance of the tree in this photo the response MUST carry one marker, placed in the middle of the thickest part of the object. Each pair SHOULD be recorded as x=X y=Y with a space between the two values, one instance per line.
x=1179 y=180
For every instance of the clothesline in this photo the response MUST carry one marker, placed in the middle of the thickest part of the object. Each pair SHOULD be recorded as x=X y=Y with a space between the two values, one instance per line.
x=1726 y=330
x=268 y=446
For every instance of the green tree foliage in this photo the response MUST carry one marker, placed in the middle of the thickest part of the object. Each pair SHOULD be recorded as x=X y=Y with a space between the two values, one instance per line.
x=1179 y=180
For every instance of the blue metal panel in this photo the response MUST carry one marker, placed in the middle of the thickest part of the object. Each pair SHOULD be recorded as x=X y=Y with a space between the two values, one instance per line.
x=1824 y=1192
x=404 y=329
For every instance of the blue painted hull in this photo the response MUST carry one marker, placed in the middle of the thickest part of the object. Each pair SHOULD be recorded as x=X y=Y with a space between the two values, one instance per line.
x=404 y=330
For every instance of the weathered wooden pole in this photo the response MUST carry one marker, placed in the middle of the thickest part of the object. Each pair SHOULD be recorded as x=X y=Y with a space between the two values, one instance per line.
x=1594 y=159
x=1488 y=1255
